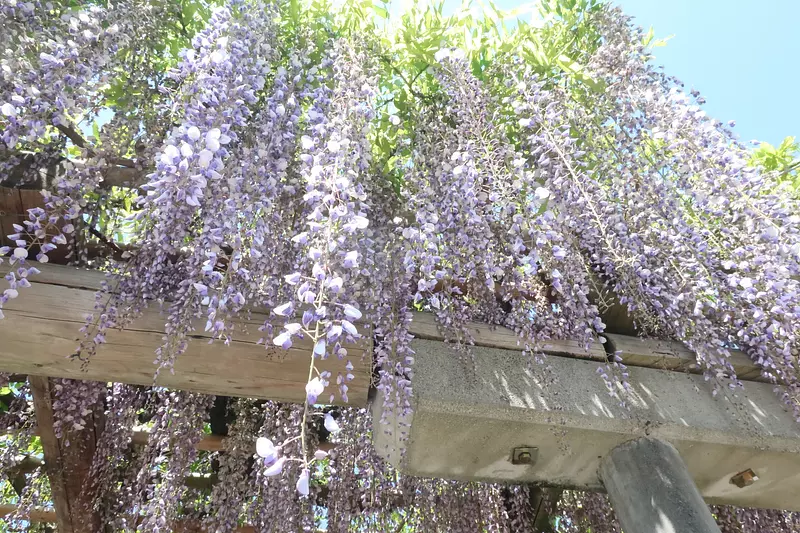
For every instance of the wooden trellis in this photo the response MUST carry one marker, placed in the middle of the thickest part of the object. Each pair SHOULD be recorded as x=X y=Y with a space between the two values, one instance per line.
x=40 y=332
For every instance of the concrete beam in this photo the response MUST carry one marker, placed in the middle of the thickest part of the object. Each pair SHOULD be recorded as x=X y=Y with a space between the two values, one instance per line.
x=651 y=490
x=466 y=426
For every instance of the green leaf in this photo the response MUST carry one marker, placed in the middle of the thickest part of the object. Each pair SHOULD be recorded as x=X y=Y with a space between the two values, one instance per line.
x=649 y=36
x=381 y=11
x=96 y=133
x=662 y=42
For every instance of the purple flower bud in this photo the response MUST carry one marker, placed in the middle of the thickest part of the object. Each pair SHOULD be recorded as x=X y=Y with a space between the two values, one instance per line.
x=308 y=316
x=335 y=284
x=292 y=279
x=351 y=259
x=265 y=449
x=284 y=309
x=331 y=424
x=170 y=154
x=302 y=483
x=284 y=340
x=318 y=271
x=334 y=332
x=313 y=389
x=352 y=312
x=275 y=469
x=319 y=347
x=349 y=328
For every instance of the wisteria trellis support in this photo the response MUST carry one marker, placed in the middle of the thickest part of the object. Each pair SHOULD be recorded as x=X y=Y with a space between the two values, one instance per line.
x=732 y=284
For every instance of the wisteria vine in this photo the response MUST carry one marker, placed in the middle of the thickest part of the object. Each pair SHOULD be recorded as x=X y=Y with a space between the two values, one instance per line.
x=294 y=165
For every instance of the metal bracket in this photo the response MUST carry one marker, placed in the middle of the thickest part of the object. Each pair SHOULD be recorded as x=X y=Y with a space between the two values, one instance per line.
x=524 y=455
x=744 y=479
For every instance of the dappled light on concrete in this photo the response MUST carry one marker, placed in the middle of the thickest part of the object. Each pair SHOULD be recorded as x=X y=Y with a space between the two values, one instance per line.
x=466 y=427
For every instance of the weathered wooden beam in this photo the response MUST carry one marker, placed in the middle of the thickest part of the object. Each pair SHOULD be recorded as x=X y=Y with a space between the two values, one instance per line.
x=44 y=515
x=43 y=404
x=68 y=461
x=41 y=328
x=209 y=443
x=214 y=443
x=423 y=326
x=26 y=465
x=37 y=515
x=119 y=172
x=672 y=355
x=40 y=332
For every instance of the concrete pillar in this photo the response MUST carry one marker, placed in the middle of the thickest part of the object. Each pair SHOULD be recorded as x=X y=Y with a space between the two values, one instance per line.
x=651 y=490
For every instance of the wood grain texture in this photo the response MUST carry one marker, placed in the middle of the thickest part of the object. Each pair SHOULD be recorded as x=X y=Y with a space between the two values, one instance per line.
x=54 y=465
x=68 y=461
x=423 y=326
x=41 y=331
x=672 y=355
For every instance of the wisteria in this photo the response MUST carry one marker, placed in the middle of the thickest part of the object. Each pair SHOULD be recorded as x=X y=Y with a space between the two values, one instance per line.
x=241 y=158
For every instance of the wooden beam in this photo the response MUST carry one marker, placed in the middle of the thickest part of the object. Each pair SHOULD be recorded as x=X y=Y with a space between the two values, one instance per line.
x=37 y=515
x=54 y=465
x=671 y=355
x=44 y=515
x=41 y=328
x=423 y=326
x=209 y=443
x=40 y=332
x=68 y=461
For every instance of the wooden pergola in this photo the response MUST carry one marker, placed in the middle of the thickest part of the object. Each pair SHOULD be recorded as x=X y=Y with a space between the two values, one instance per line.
x=40 y=332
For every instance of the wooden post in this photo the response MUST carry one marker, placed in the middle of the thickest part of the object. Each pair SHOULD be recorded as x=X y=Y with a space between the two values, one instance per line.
x=67 y=462
x=651 y=490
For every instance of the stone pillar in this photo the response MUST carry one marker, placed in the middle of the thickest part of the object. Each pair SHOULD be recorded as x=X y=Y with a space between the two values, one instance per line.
x=651 y=490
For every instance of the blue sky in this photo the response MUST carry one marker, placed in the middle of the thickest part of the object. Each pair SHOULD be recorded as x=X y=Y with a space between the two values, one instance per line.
x=743 y=56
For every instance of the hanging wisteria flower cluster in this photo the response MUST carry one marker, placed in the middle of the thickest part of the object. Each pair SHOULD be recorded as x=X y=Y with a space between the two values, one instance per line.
x=297 y=163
